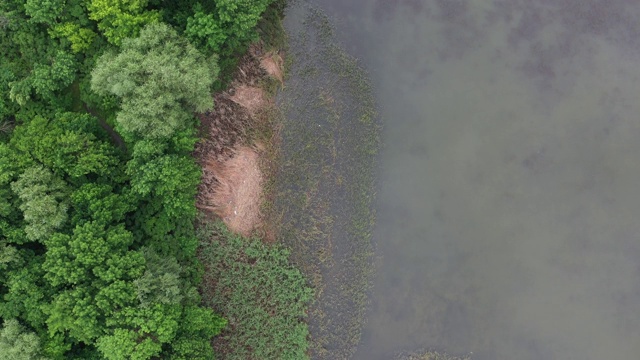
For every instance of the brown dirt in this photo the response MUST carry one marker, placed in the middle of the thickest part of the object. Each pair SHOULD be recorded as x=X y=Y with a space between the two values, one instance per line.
x=233 y=162
x=249 y=97
x=237 y=193
x=273 y=64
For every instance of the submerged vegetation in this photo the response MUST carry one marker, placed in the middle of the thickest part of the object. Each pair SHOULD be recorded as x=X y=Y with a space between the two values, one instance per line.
x=429 y=355
x=324 y=187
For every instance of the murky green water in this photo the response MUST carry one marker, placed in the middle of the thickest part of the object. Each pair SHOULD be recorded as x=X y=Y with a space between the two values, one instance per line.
x=509 y=202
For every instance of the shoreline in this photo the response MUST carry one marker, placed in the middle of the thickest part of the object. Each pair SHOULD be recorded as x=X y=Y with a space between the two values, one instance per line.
x=315 y=140
x=325 y=186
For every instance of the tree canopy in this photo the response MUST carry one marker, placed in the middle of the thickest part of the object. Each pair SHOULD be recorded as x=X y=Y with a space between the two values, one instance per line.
x=160 y=77
x=97 y=181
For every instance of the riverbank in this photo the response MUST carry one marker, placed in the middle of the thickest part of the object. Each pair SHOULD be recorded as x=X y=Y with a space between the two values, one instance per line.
x=289 y=159
x=239 y=143
x=248 y=277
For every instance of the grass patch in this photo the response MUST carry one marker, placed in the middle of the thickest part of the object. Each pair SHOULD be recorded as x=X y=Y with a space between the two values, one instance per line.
x=261 y=295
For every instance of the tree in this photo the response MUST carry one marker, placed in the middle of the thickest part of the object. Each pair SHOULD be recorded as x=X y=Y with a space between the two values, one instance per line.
x=26 y=293
x=172 y=178
x=161 y=281
x=80 y=38
x=142 y=331
x=94 y=254
x=192 y=342
x=44 y=11
x=127 y=344
x=101 y=204
x=67 y=144
x=205 y=31
x=56 y=75
x=161 y=79
x=119 y=20
x=239 y=19
x=16 y=343
x=43 y=204
x=74 y=312
x=11 y=217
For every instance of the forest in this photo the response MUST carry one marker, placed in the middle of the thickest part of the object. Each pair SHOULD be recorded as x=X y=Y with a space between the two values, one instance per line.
x=99 y=231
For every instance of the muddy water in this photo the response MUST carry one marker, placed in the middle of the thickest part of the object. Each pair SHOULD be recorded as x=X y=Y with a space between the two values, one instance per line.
x=509 y=203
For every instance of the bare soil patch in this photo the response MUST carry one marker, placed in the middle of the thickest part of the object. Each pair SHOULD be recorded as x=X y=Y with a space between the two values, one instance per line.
x=249 y=97
x=231 y=152
x=273 y=64
x=237 y=191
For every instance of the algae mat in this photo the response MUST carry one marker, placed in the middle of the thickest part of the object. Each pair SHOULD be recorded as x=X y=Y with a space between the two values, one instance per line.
x=324 y=189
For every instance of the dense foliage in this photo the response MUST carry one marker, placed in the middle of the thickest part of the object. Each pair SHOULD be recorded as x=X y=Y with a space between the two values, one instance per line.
x=97 y=182
x=262 y=296
x=161 y=80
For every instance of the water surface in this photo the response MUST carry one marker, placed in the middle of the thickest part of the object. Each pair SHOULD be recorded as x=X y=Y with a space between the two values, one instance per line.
x=509 y=202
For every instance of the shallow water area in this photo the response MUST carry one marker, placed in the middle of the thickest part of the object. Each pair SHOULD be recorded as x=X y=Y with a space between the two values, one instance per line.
x=509 y=179
x=324 y=186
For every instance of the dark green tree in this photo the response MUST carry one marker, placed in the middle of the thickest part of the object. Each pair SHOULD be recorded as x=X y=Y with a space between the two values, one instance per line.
x=205 y=31
x=44 y=11
x=239 y=19
x=68 y=144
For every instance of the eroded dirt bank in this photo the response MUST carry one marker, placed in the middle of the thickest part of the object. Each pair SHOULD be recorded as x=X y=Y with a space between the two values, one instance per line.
x=235 y=144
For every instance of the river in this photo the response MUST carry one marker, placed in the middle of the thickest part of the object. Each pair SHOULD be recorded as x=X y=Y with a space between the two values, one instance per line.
x=509 y=185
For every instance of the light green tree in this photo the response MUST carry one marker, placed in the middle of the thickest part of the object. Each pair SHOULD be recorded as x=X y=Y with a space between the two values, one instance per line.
x=43 y=205
x=16 y=343
x=161 y=79
x=119 y=20
x=79 y=37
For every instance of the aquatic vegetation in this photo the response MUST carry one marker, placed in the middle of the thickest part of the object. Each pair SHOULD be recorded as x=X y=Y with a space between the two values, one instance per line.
x=429 y=355
x=324 y=189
